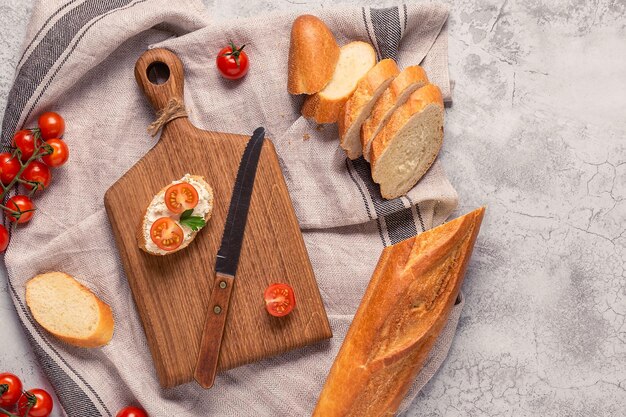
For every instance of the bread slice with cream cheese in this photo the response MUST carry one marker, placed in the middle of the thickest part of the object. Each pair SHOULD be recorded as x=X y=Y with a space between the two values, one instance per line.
x=157 y=209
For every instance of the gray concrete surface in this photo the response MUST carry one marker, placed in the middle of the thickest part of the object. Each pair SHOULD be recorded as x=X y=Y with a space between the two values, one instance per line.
x=537 y=133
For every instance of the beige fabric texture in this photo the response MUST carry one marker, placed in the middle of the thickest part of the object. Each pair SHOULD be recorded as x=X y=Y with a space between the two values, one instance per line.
x=79 y=58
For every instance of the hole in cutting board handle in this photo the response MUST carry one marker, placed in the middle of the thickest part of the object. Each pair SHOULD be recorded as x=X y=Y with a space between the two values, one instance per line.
x=158 y=73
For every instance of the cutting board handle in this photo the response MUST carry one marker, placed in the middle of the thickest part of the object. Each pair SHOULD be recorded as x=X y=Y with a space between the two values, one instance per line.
x=160 y=75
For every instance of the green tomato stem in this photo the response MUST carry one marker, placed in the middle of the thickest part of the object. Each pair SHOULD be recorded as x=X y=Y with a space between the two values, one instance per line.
x=41 y=149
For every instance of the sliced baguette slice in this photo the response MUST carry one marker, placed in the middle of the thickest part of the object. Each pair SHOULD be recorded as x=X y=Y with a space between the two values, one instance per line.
x=409 y=142
x=360 y=104
x=68 y=310
x=313 y=55
x=409 y=80
x=355 y=59
x=157 y=209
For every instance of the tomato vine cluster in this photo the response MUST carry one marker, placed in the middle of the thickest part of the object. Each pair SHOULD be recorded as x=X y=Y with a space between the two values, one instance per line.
x=15 y=402
x=27 y=166
x=32 y=403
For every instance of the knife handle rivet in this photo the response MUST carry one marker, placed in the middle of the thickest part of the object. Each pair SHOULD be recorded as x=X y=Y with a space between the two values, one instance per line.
x=223 y=284
x=217 y=309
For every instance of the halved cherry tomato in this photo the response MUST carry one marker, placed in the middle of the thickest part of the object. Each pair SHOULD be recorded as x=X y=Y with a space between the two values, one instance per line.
x=279 y=299
x=166 y=234
x=60 y=153
x=10 y=385
x=41 y=403
x=4 y=242
x=51 y=125
x=9 y=167
x=132 y=412
x=24 y=140
x=22 y=204
x=181 y=197
x=37 y=172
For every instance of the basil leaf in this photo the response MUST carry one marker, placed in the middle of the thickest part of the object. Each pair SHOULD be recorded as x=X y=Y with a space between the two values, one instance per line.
x=186 y=214
x=195 y=223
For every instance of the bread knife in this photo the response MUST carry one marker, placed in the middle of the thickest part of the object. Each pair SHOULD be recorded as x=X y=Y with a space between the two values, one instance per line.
x=227 y=261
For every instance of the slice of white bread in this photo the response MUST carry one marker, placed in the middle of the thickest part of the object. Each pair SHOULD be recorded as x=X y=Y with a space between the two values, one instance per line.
x=69 y=310
x=355 y=59
x=409 y=80
x=313 y=55
x=360 y=104
x=157 y=209
x=409 y=142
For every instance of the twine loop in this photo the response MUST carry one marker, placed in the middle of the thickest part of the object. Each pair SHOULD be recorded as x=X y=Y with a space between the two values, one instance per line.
x=174 y=109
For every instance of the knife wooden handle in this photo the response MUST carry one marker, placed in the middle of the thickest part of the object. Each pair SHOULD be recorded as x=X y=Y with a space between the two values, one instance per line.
x=208 y=356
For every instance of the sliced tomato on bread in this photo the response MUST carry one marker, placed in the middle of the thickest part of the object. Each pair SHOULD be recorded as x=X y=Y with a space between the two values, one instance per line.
x=166 y=234
x=180 y=197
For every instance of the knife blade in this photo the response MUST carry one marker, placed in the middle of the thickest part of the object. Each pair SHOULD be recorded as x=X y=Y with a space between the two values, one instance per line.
x=227 y=261
x=228 y=254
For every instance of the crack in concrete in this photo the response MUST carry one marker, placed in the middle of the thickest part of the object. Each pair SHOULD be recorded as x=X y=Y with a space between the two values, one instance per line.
x=611 y=240
x=513 y=94
x=498 y=15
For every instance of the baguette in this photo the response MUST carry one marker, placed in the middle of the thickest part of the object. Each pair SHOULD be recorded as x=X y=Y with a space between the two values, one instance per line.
x=405 y=307
x=409 y=80
x=409 y=142
x=355 y=60
x=157 y=209
x=360 y=104
x=313 y=55
x=68 y=310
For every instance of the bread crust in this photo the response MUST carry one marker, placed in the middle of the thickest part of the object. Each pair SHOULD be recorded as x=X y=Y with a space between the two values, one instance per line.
x=379 y=74
x=313 y=55
x=141 y=239
x=323 y=109
x=101 y=336
x=412 y=77
x=404 y=309
x=417 y=102
x=429 y=95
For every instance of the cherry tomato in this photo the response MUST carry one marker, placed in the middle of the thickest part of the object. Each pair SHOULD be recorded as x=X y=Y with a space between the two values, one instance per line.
x=10 y=385
x=181 y=197
x=51 y=125
x=41 y=403
x=4 y=242
x=166 y=234
x=232 y=62
x=9 y=167
x=60 y=153
x=279 y=299
x=22 y=204
x=37 y=172
x=24 y=140
x=132 y=412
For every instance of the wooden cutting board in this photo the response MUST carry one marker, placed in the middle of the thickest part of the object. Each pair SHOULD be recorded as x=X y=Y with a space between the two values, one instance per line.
x=172 y=292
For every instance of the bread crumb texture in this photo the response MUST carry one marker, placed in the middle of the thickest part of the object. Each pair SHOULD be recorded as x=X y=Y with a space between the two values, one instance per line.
x=69 y=310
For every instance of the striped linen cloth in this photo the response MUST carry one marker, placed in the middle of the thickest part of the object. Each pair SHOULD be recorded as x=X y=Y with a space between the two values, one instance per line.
x=78 y=60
